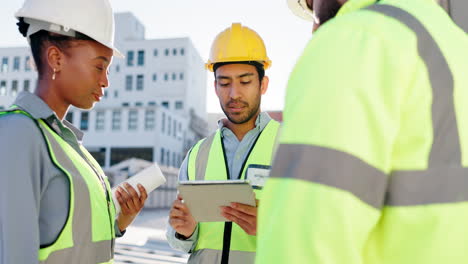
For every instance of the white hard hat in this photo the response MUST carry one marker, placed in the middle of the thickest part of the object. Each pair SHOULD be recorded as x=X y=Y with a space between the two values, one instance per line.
x=300 y=9
x=94 y=18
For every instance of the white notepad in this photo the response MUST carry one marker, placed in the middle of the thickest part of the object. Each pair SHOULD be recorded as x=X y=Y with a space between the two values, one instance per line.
x=151 y=178
x=204 y=198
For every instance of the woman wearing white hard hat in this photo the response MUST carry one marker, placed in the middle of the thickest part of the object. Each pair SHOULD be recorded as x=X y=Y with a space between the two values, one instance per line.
x=55 y=201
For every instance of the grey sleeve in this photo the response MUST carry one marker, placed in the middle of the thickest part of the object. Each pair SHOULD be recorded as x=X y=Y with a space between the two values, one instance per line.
x=183 y=171
x=118 y=233
x=176 y=243
x=20 y=189
x=183 y=245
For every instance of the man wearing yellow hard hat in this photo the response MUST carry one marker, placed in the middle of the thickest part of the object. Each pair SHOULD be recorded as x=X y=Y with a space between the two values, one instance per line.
x=243 y=140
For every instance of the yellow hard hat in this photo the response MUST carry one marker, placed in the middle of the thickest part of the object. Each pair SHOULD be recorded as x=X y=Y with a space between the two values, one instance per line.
x=238 y=43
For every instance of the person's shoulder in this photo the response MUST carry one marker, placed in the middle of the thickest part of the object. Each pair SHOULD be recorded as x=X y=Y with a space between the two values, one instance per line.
x=18 y=126
x=209 y=137
x=17 y=120
x=366 y=23
x=362 y=32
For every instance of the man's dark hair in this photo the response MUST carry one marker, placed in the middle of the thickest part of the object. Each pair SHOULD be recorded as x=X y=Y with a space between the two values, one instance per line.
x=40 y=39
x=256 y=64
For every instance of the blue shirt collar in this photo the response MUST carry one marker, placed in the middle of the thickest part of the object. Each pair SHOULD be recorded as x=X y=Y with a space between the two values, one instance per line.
x=38 y=109
x=260 y=123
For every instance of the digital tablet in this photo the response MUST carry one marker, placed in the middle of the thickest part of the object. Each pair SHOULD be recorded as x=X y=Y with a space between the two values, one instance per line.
x=204 y=198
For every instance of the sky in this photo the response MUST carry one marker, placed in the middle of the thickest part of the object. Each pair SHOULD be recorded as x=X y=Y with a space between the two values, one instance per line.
x=284 y=34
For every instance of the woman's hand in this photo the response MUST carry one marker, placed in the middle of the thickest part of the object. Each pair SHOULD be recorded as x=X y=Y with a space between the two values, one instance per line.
x=130 y=204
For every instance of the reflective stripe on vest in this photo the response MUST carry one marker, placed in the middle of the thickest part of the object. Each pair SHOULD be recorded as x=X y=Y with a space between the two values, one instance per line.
x=204 y=256
x=88 y=234
x=207 y=162
x=444 y=181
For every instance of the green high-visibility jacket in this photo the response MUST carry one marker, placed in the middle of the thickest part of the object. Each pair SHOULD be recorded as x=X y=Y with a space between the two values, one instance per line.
x=207 y=162
x=88 y=234
x=373 y=155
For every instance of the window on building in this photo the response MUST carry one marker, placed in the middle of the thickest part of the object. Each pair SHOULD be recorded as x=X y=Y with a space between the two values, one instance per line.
x=27 y=63
x=169 y=126
x=174 y=160
x=99 y=154
x=125 y=104
x=155 y=77
x=132 y=120
x=174 y=76
x=168 y=158
x=26 y=85
x=84 y=121
x=117 y=68
x=116 y=94
x=182 y=51
x=161 y=158
x=130 y=57
x=105 y=94
x=155 y=52
x=138 y=104
x=14 y=87
x=179 y=105
x=100 y=115
x=174 y=52
x=140 y=82
x=152 y=103
x=3 y=87
x=69 y=117
x=165 y=104
x=16 y=63
x=163 y=122
x=120 y=154
x=116 y=120
x=4 y=64
x=149 y=119
x=174 y=128
x=166 y=77
x=141 y=58
x=181 y=76
x=128 y=82
x=166 y=52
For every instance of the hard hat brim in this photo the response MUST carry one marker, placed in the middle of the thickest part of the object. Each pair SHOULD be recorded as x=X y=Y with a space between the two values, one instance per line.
x=266 y=64
x=117 y=53
x=300 y=9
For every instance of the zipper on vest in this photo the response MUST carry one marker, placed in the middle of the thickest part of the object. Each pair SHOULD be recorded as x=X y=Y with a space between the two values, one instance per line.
x=227 y=233
x=101 y=179
x=103 y=183
x=227 y=225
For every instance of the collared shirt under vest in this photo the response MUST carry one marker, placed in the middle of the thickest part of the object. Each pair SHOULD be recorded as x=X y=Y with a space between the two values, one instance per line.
x=207 y=161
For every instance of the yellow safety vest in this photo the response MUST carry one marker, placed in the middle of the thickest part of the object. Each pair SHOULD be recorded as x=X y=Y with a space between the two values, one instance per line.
x=207 y=162
x=88 y=234
x=372 y=165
